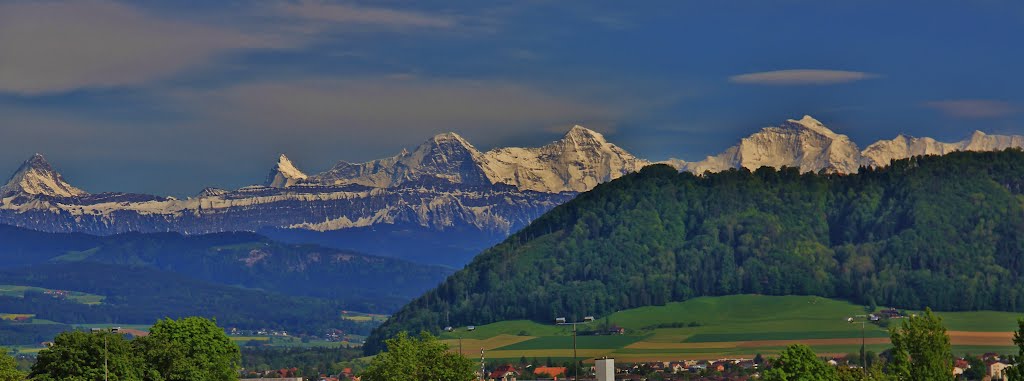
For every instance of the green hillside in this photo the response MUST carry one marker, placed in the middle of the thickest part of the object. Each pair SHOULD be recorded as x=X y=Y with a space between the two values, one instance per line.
x=738 y=325
x=945 y=232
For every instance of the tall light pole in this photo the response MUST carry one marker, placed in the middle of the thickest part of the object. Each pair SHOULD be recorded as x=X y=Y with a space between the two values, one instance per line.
x=575 y=362
x=862 y=319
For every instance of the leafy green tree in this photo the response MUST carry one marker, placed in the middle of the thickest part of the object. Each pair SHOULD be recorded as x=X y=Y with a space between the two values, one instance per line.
x=425 y=358
x=187 y=349
x=9 y=368
x=977 y=371
x=921 y=349
x=82 y=356
x=799 y=363
x=1016 y=372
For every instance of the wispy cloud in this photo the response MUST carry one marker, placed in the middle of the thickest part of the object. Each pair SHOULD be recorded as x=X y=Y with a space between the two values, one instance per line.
x=974 y=108
x=800 y=77
x=52 y=47
x=376 y=111
x=319 y=10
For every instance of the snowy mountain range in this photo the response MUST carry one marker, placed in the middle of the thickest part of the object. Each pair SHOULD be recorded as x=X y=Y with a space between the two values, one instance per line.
x=443 y=185
x=809 y=145
x=576 y=163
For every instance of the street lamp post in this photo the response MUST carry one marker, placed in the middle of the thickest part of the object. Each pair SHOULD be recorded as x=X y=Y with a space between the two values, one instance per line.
x=575 y=362
x=862 y=319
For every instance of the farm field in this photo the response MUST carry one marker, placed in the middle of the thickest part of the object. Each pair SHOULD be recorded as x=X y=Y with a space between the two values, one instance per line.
x=729 y=326
x=75 y=296
x=363 y=317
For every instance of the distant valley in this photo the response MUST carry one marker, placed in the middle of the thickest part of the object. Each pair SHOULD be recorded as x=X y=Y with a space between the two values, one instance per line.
x=243 y=279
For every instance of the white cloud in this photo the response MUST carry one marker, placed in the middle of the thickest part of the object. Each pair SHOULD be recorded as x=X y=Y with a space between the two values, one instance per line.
x=974 y=108
x=52 y=47
x=800 y=77
x=319 y=10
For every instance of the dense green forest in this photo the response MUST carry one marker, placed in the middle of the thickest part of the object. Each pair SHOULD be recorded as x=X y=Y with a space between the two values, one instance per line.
x=945 y=232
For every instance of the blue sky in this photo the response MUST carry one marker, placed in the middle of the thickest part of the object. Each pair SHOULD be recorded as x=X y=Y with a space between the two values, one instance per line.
x=170 y=97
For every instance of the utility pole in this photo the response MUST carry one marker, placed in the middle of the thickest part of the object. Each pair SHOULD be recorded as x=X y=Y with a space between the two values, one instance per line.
x=575 y=361
x=863 y=343
x=106 y=373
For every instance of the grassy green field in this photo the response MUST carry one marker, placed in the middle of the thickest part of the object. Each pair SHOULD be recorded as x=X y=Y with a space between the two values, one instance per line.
x=75 y=256
x=80 y=297
x=363 y=317
x=141 y=327
x=582 y=342
x=740 y=325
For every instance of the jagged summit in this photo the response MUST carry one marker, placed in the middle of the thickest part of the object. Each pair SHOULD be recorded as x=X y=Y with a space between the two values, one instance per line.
x=811 y=146
x=284 y=174
x=578 y=132
x=808 y=122
x=211 y=192
x=37 y=177
x=577 y=162
x=805 y=143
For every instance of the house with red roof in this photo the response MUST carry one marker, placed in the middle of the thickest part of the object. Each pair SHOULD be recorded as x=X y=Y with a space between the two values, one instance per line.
x=503 y=373
x=551 y=371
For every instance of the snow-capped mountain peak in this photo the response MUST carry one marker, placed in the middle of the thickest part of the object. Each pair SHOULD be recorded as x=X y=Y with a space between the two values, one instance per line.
x=212 y=192
x=284 y=174
x=805 y=143
x=980 y=141
x=37 y=177
x=580 y=133
x=577 y=162
x=808 y=122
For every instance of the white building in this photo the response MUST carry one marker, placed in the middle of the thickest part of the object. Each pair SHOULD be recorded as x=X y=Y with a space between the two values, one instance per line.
x=605 y=369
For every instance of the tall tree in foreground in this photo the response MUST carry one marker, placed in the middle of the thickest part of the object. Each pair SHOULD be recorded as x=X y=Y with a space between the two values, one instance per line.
x=799 y=363
x=9 y=368
x=188 y=349
x=1016 y=372
x=921 y=349
x=412 y=359
x=82 y=356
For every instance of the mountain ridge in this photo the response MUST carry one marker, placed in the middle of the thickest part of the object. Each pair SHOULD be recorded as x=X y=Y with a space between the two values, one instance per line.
x=444 y=185
x=811 y=146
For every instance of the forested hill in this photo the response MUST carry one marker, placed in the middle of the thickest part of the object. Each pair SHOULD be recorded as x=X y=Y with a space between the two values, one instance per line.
x=945 y=232
x=356 y=281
